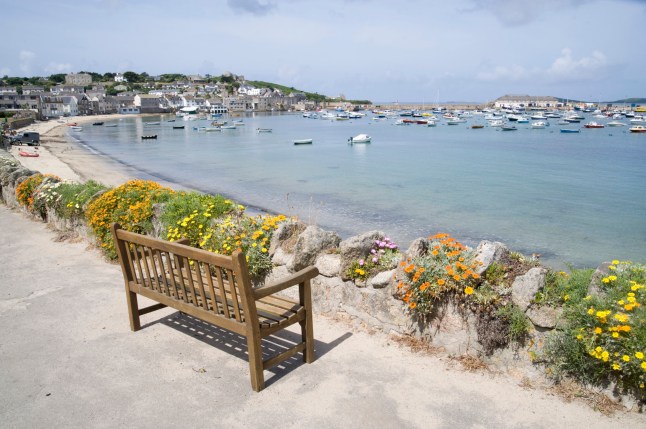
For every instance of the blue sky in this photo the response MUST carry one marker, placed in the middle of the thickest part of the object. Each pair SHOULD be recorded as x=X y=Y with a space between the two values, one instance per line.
x=382 y=50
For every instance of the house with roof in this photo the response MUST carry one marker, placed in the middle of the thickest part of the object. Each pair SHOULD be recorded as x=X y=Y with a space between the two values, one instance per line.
x=526 y=102
x=147 y=103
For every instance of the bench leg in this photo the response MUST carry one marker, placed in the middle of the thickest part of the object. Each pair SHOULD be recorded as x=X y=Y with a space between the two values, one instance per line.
x=307 y=336
x=133 y=310
x=255 y=363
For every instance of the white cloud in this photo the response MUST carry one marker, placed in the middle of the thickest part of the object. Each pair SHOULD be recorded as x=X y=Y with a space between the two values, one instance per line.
x=566 y=67
x=26 y=58
x=54 y=68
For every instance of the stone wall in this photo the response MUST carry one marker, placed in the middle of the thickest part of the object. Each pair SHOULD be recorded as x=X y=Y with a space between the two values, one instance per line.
x=372 y=303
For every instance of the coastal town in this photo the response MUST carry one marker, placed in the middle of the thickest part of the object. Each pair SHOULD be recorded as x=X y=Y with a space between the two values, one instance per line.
x=87 y=94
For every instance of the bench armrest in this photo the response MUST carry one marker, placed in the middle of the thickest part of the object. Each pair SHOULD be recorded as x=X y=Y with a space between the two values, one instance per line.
x=293 y=280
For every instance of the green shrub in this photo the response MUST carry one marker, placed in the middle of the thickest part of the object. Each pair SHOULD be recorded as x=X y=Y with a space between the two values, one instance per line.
x=130 y=204
x=603 y=337
x=561 y=287
x=68 y=199
x=190 y=214
x=519 y=324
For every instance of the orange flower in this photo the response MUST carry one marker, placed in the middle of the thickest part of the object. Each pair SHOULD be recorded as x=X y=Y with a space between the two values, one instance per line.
x=475 y=275
x=409 y=269
x=412 y=305
x=435 y=253
x=456 y=278
x=441 y=282
x=400 y=285
x=424 y=286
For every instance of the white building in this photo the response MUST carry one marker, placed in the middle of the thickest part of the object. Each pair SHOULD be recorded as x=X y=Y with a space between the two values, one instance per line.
x=526 y=102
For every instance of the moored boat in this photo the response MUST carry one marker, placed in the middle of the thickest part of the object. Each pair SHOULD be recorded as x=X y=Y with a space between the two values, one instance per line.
x=593 y=124
x=150 y=123
x=149 y=137
x=638 y=129
x=264 y=130
x=477 y=126
x=77 y=128
x=303 y=141
x=360 y=138
x=569 y=130
x=508 y=128
x=97 y=123
x=111 y=125
x=28 y=154
x=615 y=124
x=178 y=127
x=539 y=125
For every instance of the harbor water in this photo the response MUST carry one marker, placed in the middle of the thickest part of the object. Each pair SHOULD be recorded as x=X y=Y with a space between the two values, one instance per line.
x=576 y=198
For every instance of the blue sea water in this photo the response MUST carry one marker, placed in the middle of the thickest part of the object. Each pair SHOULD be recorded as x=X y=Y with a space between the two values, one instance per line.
x=573 y=198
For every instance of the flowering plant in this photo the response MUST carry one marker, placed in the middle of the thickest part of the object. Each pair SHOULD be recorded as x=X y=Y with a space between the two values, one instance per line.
x=27 y=190
x=248 y=234
x=130 y=204
x=606 y=333
x=449 y=267
x=383 y=255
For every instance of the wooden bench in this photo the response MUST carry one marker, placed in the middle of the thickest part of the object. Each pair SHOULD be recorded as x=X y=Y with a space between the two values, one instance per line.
x=216 y=289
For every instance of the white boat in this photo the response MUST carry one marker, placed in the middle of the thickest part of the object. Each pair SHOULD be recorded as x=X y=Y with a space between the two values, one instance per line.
x=151 y=123
x=359 y=138
x=638 y=129
x=615 y=124
x=539 y=125
x=431 y=124
x=539 y=116
x=77 y=128
x=264 y=130
x=638 y=120
x=303 y=141
x=496 y=123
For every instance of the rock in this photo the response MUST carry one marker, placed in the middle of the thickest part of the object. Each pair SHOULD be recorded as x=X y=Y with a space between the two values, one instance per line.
x=489 y=252
x=281 y=257
x=382 y=279
x=355 y=248
x=525 y=287
x=328 y=264
x=286 y=230
x=595 y=282
x=418 y=247
x=544 y=316
x=309 y=244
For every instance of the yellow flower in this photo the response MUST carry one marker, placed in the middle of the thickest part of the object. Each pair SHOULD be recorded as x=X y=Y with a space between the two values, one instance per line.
x=468 y=290
x=639 y=355
x=644 y=366
x=616 y=366
x=579 y=337
x=615 y=262
x=615 y=335
x=626 y=358
x=612 y=267
x=566 y=297
x=597 y=330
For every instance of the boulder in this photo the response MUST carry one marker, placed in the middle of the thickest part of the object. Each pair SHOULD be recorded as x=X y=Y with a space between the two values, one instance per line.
x=595 y=282
x=381 y=280
x=286 y=230
x=525 y=287
x=309 y=244
x=355 y=248
x=418 y=247
x=489 y=252
x=544 y=316
x=280 y=257
x=328 y=264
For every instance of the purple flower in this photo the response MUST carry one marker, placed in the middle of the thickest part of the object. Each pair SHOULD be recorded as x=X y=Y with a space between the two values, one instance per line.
x=375 y=260
x=361 y=262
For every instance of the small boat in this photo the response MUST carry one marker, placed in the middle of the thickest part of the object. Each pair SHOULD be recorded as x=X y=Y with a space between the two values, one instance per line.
x=171 y=120
x=638 y=129
x=615 y=124
x=228 y=127
x=431 y=124
x=149 y=137
x=77 y=128
x=508 y=128
x=522 y=120
x=477 y=126
x=263 y=130
x=539 y=125
x=72 y=124
x=218 y=123
x=593 y=124
x=496 y=123
x=178 y=127
x=569 y=130
x=303 y=141
x=111 y=125
x=97 y=123
x=360 y=138
x=210 y=129
x=151 y=123
x=28 y=154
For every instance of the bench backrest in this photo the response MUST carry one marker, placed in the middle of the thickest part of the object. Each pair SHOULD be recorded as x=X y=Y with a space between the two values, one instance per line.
x=209 y=282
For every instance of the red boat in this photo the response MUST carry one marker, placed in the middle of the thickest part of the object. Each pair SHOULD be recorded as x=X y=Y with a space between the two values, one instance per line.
x=72 y=124
x=593 y=125
x=28 y=154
